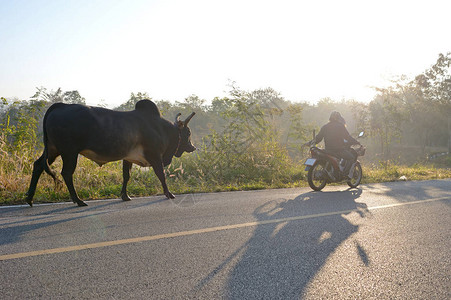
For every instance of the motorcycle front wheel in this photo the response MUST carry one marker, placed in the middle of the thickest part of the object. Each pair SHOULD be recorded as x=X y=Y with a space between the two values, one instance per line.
x=317 y=176
x=356 y=176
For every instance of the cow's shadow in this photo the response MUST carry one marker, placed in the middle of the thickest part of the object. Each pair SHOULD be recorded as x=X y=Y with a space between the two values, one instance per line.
x=280 y=259
x=35 y=219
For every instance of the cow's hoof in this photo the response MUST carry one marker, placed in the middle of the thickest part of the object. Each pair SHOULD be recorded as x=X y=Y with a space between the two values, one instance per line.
x=169 y=195
x=29 y=199
x=125 y=197
x=81 y=203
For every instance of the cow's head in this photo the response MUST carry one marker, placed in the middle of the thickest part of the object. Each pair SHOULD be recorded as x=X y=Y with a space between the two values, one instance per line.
x=185 y=144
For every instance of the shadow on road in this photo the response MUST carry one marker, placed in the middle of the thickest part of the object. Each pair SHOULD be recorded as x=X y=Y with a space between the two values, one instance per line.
x=412 y=191
x=40 y=217
x=280 y=259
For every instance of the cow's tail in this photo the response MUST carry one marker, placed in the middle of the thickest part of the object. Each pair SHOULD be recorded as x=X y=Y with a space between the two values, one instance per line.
x=45 y=155
x=42 y=163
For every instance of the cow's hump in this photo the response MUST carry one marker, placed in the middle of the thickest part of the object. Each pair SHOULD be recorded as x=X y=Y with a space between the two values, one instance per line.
x=148 y=107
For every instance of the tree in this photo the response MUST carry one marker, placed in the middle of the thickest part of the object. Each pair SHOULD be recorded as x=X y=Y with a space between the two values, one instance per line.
x=297 y=131
x=48 y=96
x=219 y=105
x=360 y=115
x=248 y=145
x=192 y=102
x=386 y=119
x=435 y=83
x=70 y=97
x=434 y=90
x=73 y=97
x=130 y=103
x=19 y=124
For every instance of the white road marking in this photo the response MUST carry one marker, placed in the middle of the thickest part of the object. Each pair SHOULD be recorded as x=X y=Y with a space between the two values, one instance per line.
x=200 y=231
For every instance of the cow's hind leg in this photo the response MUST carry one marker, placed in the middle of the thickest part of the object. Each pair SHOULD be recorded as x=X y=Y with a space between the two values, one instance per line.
x=69 y=165
x=38 y=168
x=126 y=167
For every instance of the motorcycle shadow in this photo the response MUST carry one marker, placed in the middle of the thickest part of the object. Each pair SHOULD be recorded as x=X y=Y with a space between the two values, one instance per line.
x=281 y=258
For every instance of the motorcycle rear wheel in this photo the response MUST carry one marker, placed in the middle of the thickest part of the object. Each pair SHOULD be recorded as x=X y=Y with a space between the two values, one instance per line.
x=317 y=176
x=356 y=176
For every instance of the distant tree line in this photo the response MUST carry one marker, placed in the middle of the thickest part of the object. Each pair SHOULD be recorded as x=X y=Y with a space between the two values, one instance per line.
x=257 y=126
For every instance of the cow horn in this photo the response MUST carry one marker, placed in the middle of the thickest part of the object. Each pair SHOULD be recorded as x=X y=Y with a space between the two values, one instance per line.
x=189 y=118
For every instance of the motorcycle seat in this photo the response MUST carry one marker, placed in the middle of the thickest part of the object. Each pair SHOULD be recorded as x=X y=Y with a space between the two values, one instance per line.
x=329 y=153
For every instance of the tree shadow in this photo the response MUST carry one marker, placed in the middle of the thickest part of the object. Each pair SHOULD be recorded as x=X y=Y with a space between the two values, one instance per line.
x=406 y=191
x=281 y=258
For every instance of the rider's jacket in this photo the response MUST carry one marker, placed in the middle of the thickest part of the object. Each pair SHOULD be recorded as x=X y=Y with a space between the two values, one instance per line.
x=335 y=134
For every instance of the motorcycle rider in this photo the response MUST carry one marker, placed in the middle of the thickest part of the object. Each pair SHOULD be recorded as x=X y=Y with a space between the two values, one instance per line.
x=337 y=139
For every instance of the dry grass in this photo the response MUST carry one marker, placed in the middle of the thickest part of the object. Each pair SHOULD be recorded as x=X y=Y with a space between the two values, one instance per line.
x=186 y=175
x=391 y=172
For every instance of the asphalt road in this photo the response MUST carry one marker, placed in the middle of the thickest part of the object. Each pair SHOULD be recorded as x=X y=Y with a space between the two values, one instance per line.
x=381 y=241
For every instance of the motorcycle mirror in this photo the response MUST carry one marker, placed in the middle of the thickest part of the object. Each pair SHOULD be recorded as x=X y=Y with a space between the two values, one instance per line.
x=361 y=134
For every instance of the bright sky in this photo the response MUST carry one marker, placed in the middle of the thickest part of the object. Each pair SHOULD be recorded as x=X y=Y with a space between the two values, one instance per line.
x=306 y=50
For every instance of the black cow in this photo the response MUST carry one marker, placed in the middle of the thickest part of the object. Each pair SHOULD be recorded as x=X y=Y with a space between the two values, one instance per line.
x=139 y=137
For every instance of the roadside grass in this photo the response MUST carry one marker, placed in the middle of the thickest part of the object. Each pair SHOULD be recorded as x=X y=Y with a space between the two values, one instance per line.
x=94 y=182
x=387 y=171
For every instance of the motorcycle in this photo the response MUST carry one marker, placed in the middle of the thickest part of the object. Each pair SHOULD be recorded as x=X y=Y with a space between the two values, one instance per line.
x=323 y=167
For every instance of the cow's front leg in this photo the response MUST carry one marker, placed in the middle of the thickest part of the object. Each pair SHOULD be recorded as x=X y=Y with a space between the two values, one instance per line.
x=157 y=166
x=126 y=167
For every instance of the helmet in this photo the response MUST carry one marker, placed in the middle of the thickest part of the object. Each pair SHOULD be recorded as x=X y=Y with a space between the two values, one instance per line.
x=336 y=116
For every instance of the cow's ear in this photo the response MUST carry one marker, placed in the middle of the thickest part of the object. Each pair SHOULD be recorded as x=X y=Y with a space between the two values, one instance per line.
x=178 y=122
